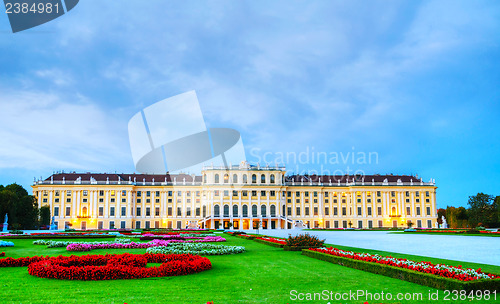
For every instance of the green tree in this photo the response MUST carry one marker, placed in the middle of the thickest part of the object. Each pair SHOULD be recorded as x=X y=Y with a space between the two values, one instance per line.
x=45 y=215
x=481 y=210
x=21 y=207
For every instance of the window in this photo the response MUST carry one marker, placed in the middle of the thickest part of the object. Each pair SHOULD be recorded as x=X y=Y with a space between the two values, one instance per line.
x=179 y=211
x=101 y=200
x=344 y=211
x=124 y=192
x=272 y=193
x=235 y=210
x=254 y=193
x=327 y=211
x=111 y=225
x=306 y=194
x=235 y=178
x=298 y=211
x=429 y=224
x=418 y=210
x=379 y=211
x=427 y=194
x=44 y=200
x=122 y=224
x=245 y=179
x=148 y=225
x=100 y=225
x=289 y=211
x=68 y=192
x=369 y=211
x=85 y=193
x=226 y=178
x=204 y=178
x=112 y=211
x=157 y=211
x=245 y=210
x=101 y=211
x=244 y=193
x=407 y=193
x=157 y=200
x=297 y=201
x=138 y=225
x=157 y=193
x=254 y=210
x=57 y=193
x=56 y=211
x=360 y=224
x=179 y=193
x=254 y=179
x=263 y=210
x=306 y=211
x=262 y=193
x=112 y=200
x=419 y=224
x=197 y=211
x=170 y=193
x=216 y=210
x=335 y=211
x=427 y=200
x=272 y=178
x=226 y=193
x=148 y=211
x=169 y=210
x=408 y=211
x=101 y=193
x=370 y=224
x=379 y=194
x=138 y=211
x=336 y=224
x=148 y=193
x=188 y=211
x=428 y=209
x=417 y=193
x=216 y=193
x=315 y=210
x=273 y=210
x=68 y=200
x=359 y=210
x=359 y=200
x=124 y=200
x=124 y=211
x=262 y=179
x=216 y=178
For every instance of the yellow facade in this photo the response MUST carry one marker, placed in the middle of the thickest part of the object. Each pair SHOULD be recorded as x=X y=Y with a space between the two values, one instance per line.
x=240 y=197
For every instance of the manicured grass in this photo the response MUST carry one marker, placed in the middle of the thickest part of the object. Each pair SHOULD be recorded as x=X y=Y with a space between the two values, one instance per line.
x=263 y=274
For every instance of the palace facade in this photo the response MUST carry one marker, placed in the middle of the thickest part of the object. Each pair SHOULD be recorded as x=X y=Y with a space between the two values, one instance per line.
x=236 y=197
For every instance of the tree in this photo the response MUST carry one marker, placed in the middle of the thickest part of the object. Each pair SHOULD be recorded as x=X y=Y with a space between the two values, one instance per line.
x=441 y=213
x=481 y=210
x=21 y=207
x=45 y=215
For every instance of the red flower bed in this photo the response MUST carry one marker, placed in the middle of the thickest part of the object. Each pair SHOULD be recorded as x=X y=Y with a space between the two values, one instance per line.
x=272 y=240
x=454 y=272
x=110 y=266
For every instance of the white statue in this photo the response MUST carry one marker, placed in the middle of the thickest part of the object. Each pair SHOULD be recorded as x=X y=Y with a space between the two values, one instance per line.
x=445 y=224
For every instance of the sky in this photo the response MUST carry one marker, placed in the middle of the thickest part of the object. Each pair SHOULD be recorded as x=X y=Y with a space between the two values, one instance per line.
x=414 y=83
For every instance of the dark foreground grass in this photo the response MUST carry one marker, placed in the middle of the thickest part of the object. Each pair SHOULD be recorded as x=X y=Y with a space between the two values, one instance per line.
x=263 y=274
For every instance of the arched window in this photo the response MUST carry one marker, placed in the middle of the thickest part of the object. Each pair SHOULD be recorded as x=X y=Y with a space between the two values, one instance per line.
x=254 y=179
x=245 y=210
x=262 y=179
x=245 y=179
x=84 y=211
x=216 y=210
x=235 y=210
x=216 y=179
x=226 y=210
x=204 y=178
x=284 y=213
x=263 y=210
x=254 y=210
x=226 y=178
x=273 y=210
x=393 y=211
x=272 y=178
x=235 y=178
x=204 y=211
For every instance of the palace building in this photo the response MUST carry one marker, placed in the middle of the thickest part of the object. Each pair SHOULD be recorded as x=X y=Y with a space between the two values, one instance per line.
x=236 y=197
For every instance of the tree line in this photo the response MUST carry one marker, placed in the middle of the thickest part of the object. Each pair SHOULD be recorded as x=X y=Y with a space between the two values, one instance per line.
x=22 y=208
x=483 y=210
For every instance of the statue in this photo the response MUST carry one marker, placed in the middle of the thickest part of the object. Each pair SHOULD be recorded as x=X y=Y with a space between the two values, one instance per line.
x=5 y=224
x=53 y=224
x=445 y=224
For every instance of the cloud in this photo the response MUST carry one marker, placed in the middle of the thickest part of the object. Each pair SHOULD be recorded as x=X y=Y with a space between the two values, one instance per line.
x=49 y=131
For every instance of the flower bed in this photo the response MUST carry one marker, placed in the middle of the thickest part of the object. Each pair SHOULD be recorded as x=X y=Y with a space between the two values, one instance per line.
x=6 y=244
x=112 y=267
x=196 y=248
x=302 y=241
x=270 y=241
x=54 y=244
x=424 y=273
x=132 y=245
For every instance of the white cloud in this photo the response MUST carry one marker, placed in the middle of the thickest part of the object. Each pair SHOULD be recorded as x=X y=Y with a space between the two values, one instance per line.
x=47 y=131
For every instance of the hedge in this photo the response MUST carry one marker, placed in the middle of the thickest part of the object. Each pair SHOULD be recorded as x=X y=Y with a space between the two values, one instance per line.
x=269 y=243
x=406 y=274
x=296 y=248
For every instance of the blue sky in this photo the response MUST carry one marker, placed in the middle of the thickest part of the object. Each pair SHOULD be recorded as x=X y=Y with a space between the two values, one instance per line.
x=416 y=82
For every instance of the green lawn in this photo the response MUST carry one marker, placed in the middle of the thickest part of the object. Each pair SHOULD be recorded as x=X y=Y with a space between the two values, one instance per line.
x=263 y=274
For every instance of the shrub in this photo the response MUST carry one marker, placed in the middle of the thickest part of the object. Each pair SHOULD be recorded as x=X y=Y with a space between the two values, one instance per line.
x=473 y=231
x=304 y=240
x=16 y=231
x=2 y=254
